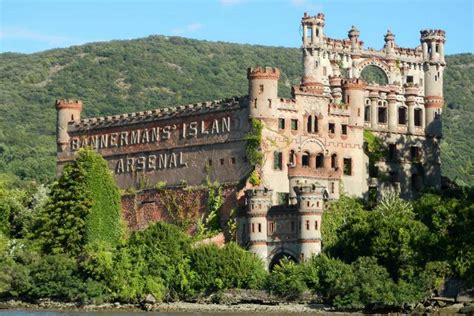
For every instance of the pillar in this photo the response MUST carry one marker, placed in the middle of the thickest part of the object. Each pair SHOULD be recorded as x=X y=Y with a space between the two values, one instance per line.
x=392 y=112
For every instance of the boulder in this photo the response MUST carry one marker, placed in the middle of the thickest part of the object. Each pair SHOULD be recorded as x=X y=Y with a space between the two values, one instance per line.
x=467 y=310
x=452 y=309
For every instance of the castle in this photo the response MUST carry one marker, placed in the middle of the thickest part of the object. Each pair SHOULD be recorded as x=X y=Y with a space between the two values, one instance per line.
x=314 y=145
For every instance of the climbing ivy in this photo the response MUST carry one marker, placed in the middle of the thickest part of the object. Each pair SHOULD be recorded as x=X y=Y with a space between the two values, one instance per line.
x=254 y=141
x=375 y=150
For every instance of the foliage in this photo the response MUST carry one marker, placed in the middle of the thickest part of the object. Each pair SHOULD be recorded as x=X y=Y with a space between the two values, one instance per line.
x=255 y=179
x=226 y=268
x=373 y=74
x=183 y=209
x=287 y=280
x=84 y=208
x=375 y=150
x=253 y=142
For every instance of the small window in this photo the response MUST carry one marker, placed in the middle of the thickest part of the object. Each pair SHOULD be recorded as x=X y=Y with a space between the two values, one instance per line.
x=382 y=112
x=415 y=153
x=291 y=157
x=319 y=161
x=305 y=159
x=332 y=128
x=348 y=99
x=261 y=88
x=334 y=161
x=418 y=117
x=277 y=160
x=392 y=151
x=367 y=114
x=294 y=124
x=253 y=228
x=437 y=48
x=271 y=227
x=421 y=82
x=309 y=127
x=410 y=79
x=344 y=129
x=222 y=161
x=333 y=187
x=209 y=162
x=281 y=123
x=232 y=160
x=347 y=166
x=315 y=225
x=72 y=117
x=315 y=125
x=402 y=115
x=259 y=227
x=269 y=103
x=255 y=103
x=307 y=225
x=325 y=71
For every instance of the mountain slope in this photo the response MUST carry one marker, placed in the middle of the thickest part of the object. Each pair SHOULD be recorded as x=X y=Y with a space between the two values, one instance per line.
x=124 y=76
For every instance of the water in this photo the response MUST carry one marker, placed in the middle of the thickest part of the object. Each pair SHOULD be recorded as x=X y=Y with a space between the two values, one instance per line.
x=68 y=313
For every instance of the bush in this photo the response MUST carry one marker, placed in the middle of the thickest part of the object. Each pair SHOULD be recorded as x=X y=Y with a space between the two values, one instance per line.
x=287 y=280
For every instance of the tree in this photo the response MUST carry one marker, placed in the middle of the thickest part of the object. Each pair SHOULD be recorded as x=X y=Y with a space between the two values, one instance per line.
x=84 y=207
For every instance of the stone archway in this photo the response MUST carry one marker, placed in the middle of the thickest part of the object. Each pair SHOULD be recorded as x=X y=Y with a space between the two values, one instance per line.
x=376 y=68
x=277 y=257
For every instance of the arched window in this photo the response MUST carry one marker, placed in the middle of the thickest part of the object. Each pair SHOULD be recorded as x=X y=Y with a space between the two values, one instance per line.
x=309 y=128
x=334 y=161
x=315 y=126
x=305 y=159
x=418 y=117
x=372 y=73
x=367 y=113
x=319 y=161
x=402 y=115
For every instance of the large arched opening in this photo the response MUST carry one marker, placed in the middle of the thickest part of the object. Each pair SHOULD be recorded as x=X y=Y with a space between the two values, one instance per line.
x=374 y=74
x=278 y=257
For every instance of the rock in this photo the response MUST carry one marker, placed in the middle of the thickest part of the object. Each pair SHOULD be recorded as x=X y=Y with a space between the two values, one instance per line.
x=149 y=299
x=452 y=308
x=117 y=304
x=465 y=297
x=467 y=310
x=419 y=308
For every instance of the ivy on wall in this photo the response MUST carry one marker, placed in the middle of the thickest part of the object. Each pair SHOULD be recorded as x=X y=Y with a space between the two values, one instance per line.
x=254 y=141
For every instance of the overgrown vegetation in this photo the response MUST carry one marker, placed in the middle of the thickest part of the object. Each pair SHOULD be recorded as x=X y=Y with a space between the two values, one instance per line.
x=253 y=143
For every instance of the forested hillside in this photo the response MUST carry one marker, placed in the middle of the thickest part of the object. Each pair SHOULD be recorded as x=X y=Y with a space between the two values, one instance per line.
x=124 y=76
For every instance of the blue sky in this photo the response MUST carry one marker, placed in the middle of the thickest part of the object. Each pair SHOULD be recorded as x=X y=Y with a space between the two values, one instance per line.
x=35 y=25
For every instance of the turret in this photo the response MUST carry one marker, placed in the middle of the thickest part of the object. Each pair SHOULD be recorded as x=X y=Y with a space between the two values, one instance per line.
x=259 y=201
x=432 y=42
x=67 y=111
x=389 y=44
x=353 y=35
x=263 y=91
x=354 y=90
x=313 y=29
x=310 y=206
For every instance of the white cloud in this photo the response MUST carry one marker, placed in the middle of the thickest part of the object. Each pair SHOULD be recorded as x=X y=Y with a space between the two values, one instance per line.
x=25 y=34
x=188 y=28
x=230 y=2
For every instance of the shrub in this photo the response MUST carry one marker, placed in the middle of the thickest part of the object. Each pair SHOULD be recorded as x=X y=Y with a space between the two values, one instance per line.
x=287 y=280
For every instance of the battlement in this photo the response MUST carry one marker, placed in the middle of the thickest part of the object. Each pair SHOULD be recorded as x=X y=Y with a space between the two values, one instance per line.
x=430 y=34
x=354 y=83
x=263 y=73
x=411 y=89
x=260 y=192
x=314 y=190
x=163 y=113
x=318 y=19
x=68 y=104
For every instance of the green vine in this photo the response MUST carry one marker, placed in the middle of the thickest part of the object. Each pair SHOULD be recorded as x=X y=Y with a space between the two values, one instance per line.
x=375 y=150
x=254 y=141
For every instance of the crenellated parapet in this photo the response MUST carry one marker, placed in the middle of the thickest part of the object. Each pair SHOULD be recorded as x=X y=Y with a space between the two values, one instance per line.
x=263 y=73
x=68 y=104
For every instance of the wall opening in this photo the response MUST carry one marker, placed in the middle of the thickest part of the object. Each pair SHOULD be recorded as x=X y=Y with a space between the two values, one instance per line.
x=374 y=74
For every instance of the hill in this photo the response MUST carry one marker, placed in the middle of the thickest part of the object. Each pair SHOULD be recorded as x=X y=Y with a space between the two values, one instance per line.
x=157 y=71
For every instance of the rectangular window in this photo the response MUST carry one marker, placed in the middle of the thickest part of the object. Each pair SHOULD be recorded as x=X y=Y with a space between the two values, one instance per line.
x=278 y=160
x=347 y=166
x=392 y=151
x=259 y=227
x=232 y=160
x=316 y=225
x=261 y=88
x=209 y=162
x=382 y=113
x=333 y=187
x=281 y=123
x=409 y=79
x=253 y=228
x=269 y=103
x=332 y=128
x=414 y=153
x=222 y=161
x=421 y=82
x=344 y=129
x=271 y=227
x=325 y=71
x=294 y=125
x=307 y=225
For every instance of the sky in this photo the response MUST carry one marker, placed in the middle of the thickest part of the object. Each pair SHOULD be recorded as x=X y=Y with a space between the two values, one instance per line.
x=28 y=26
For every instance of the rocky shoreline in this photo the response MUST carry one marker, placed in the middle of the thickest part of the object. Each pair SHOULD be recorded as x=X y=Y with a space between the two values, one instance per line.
x=244 y=301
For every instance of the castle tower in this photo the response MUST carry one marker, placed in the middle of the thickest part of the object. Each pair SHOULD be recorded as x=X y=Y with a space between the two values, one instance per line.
x=310 y=210
x=354 y=90
x=313 y=38
x=432 y=42
x=67 y=111
x=259 y=201
x=263 y=91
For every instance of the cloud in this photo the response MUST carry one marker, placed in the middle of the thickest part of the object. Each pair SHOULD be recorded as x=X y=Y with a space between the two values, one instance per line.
x=308 y=5
x=230 y=2
x=25 y=34
x=188 y=28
